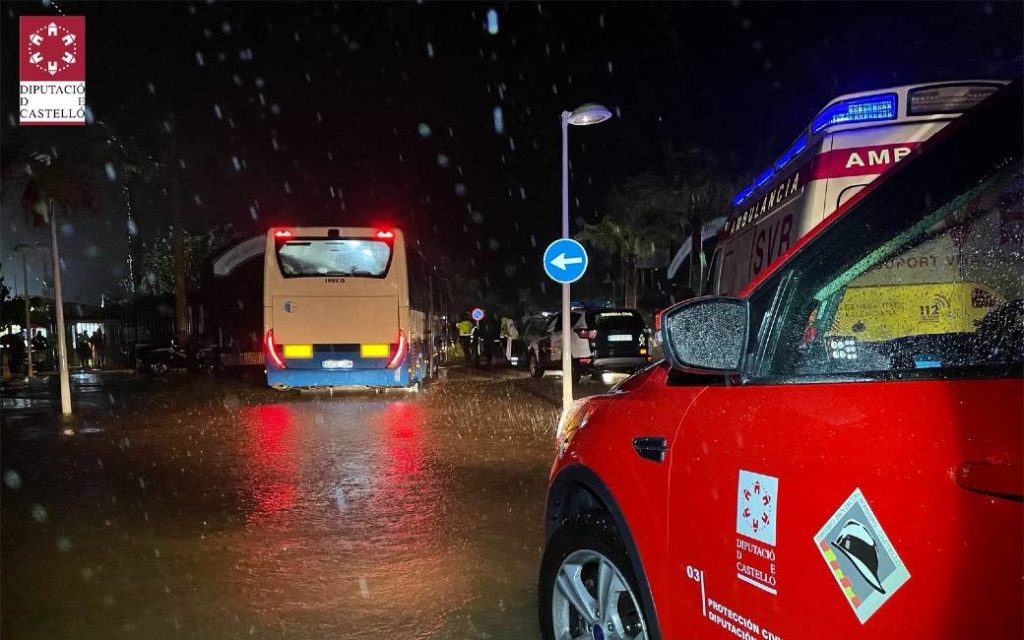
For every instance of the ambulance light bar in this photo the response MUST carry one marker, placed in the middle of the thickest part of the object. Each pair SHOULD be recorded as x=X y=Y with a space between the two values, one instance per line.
x=881 y=106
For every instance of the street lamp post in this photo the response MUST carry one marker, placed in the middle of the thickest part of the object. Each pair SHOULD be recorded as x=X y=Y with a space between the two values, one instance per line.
x=583 y=115
x=58 y=300
x=23 y=249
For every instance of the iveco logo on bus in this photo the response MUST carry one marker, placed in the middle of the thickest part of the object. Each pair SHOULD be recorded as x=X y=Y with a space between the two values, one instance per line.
x=334 y=280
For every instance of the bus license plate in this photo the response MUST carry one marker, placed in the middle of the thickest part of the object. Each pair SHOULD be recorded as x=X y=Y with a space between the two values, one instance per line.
x=337 y=364
x=618 y=337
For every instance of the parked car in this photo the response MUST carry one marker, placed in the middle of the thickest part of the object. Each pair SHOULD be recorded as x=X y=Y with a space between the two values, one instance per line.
x=602 y=341
x=163 y=359
x=804 y=464
x=529 y=331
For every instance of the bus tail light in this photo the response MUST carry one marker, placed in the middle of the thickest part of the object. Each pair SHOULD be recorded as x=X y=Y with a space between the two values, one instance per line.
x=403 y=348
x=271 y=350
x=282 y=233
x=374 y=350
x=304 y=351
x=385 y=235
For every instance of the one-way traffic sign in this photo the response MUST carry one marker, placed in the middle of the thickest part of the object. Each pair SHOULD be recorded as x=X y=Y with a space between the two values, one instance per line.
x=565 y=260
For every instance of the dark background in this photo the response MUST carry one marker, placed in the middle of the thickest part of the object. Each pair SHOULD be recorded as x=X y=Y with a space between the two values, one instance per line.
x=321 y=105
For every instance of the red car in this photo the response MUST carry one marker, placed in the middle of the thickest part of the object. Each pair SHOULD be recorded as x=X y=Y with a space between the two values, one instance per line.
x=838 y=452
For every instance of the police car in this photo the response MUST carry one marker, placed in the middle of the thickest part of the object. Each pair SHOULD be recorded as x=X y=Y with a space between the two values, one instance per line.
x=604 y=340
x=805 y=465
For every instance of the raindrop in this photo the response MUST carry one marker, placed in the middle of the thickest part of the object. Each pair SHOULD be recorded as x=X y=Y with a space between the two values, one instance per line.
x=522 y=193
x=38 y=513
x=479 y=219
x=133 y=229
x=442 y=160
x=252 y=212
x=235 y=161
x=460 y=189
x=430 y=50
x=424 y=130
x=111 y=173
x=492 y=21
x=493 y=244
x=12 y=479
x=199 y=59
x=225 y=28
x=499 y=120
x=152 y=88
x=287 y=187
x=217 y=112
x=610 y=70
x=64 y=544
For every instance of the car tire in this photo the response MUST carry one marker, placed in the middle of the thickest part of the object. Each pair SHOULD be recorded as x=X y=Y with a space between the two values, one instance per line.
x=535 y=369
x=591 y=543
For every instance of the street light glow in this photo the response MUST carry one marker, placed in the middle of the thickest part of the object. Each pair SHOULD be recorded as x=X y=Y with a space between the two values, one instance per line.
x=589 y=113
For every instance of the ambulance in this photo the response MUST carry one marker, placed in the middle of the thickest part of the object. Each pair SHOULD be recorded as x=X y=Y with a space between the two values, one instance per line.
x=852 y=141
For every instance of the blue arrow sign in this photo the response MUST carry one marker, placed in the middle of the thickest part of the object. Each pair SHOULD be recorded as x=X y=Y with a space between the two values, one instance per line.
x=565 y=260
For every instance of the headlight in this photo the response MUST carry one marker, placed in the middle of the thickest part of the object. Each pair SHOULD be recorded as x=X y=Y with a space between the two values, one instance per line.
x=572 y=420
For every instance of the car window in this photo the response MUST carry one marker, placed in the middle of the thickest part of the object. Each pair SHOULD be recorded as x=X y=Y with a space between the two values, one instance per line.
x=616 y=321
x=928 y=280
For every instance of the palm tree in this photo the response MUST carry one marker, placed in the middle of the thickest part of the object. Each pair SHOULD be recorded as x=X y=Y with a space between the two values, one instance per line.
x=634 y=227
x=50 y=181
x=695 y=190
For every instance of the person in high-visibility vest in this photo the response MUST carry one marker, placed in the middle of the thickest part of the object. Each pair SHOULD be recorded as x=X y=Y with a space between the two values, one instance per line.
x=509 y=334
x=465 y=327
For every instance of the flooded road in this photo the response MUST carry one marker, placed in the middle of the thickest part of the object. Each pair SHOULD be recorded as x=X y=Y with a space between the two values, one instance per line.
x=196 y=508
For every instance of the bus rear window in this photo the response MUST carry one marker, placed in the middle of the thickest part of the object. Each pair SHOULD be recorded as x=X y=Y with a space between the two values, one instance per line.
x=320 y=257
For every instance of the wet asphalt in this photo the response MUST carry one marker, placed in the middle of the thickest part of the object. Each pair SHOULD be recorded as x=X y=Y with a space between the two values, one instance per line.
x=211 y=507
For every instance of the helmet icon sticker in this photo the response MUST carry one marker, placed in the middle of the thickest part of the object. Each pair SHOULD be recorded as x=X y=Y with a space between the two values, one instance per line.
x=861 y=557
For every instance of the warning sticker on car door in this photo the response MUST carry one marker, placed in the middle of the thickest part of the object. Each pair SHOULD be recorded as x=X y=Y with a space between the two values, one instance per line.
x=861 y=557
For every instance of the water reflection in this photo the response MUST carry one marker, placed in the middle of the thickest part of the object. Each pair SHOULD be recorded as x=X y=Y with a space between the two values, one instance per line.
x=271 y=458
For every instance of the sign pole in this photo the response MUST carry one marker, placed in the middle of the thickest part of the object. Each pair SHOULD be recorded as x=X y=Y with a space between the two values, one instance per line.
x=566 y=325
x=28 y=311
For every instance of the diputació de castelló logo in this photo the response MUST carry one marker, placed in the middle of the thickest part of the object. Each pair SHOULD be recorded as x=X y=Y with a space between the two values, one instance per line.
x=51 y=52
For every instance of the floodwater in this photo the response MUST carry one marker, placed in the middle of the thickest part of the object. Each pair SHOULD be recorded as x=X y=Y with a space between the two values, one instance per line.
x=198 y=508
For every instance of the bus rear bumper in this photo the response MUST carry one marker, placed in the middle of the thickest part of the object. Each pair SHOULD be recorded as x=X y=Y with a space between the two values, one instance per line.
x=305 y=378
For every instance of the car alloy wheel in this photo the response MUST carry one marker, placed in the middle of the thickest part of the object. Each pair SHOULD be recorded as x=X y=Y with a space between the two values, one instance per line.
x=592 y=599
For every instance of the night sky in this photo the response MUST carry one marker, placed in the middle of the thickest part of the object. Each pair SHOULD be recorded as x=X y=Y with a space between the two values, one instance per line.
x=351 y=114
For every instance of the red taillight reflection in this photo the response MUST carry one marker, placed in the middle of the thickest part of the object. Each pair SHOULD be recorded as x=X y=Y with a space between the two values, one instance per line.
x=587 y=334
x=283 y=233
x=385 y=235
x=403 y=348
x=271 y=350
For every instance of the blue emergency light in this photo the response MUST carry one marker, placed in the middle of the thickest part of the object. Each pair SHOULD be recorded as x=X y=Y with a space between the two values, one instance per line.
x=765 y=176
x=881 y=106
x=792 y=152
x=743 y=195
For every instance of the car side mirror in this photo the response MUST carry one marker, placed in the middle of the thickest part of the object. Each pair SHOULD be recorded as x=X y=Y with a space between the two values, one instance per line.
x=707 y=335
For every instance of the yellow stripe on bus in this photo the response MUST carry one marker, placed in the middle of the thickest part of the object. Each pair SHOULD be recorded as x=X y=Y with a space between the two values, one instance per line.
x=374 y=350
x=298 y=351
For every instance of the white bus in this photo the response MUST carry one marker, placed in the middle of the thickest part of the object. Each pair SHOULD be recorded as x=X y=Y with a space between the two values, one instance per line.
x=336 y=310
x=848 y=144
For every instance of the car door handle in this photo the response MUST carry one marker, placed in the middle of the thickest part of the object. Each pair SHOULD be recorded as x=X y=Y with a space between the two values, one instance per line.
x=651 y=447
